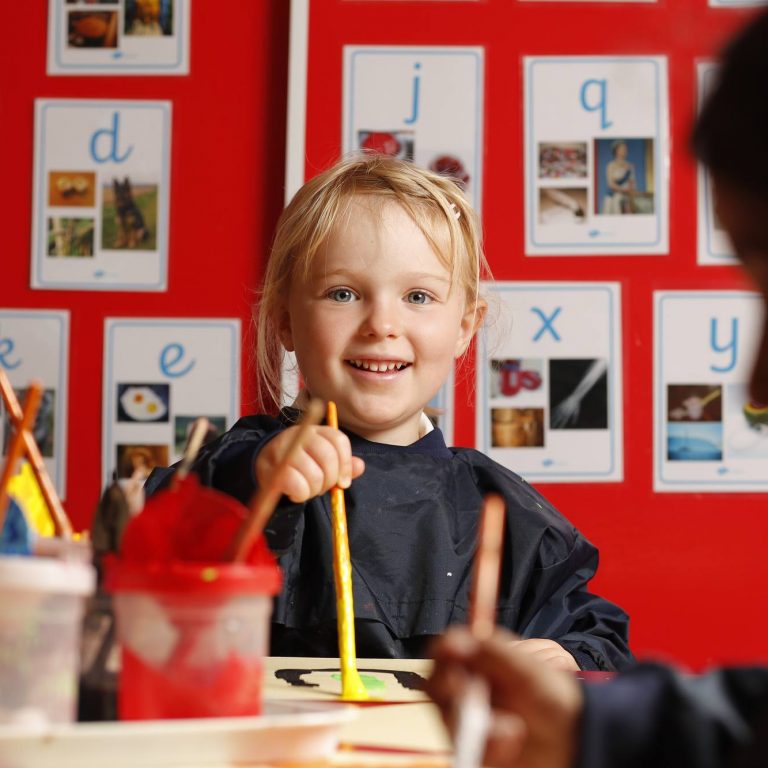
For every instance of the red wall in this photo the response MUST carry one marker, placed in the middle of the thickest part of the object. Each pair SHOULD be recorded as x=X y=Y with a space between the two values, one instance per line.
x=690 y=568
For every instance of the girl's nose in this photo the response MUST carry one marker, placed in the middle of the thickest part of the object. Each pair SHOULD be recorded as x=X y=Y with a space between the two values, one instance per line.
x=382 y=320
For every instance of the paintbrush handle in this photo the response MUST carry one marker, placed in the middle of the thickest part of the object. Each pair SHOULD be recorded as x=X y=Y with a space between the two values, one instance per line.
x=16 y=446
x=60 y=520
x=266 y=498
x=352 y=688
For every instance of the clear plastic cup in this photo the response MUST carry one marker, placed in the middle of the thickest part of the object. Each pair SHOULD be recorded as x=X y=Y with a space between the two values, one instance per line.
x=42 y=601
x=193 y=638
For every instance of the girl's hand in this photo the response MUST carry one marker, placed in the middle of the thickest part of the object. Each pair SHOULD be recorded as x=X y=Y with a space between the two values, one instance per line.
x=324 y=460
x=547 y=652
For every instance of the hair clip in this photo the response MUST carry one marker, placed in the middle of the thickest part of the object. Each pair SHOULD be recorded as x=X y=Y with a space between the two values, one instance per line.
x=456 y=211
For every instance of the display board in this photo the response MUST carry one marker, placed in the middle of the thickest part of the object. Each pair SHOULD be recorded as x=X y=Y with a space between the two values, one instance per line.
x=586 y=186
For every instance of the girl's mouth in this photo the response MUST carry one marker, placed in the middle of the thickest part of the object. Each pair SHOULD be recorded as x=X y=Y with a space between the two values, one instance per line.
x=378 y=366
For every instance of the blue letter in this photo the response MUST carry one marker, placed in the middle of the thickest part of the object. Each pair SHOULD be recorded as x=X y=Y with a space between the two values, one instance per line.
x=732 y=345
x=415 y=107
x=6 y=348
x=109 y=133
x=602 y=105
x=547 y=321
x=170 y=356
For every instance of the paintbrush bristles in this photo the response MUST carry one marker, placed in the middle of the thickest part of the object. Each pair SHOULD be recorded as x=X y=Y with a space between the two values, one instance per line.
x=485 y=582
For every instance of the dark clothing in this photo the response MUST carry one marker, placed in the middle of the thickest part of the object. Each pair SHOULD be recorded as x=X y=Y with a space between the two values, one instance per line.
x=654 y=716
x=412 y=518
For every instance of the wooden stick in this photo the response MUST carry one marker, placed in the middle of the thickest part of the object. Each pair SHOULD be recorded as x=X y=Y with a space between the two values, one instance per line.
x=267 y=497
x=61 y=522
x=16 y=446
x=199 y=429
x=352 y=688
x=485 y=577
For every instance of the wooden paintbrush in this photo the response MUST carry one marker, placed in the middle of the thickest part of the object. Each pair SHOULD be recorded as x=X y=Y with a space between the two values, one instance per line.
x=352 y=688
x=267 y=497
x=61 y=522
x=474 y=709
x=17 y=444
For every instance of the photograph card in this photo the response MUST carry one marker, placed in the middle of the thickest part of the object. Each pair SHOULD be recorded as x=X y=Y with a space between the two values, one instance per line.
x=159 y=376
x=549 y=381
x=100 y=198
x=596 y=155
x=709 y=437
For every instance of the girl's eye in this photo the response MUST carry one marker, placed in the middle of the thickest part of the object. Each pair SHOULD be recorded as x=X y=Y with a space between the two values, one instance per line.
x=342 y=295
x=419 y=297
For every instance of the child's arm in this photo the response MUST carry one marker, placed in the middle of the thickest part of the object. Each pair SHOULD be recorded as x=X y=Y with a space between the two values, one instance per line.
x=547 y=652
x=325 y=460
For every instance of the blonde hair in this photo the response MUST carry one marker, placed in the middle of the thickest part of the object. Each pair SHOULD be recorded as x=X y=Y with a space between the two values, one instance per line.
x=435 y=203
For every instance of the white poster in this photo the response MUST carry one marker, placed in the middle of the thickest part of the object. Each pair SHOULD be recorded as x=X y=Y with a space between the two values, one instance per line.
x=596 y=155
x=159 y=376
x=708 y=436
x=714 y=247
x=549 y=381
x=422 y=104
x=118 y=37
x=34 y=344
x=736 y=3
x=100 y=201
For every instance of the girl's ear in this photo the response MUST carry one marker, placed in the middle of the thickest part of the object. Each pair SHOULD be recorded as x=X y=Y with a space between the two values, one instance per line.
x=283 y=325
x=472 y=320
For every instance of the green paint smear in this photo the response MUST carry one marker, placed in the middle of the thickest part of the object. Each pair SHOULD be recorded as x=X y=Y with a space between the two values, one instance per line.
x=370 y=682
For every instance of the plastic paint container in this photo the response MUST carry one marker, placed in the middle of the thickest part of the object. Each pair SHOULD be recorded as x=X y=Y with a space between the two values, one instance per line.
x=193 y=637
x=42 y=601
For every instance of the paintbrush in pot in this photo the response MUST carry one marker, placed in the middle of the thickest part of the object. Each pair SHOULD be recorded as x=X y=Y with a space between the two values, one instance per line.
x=473 y=716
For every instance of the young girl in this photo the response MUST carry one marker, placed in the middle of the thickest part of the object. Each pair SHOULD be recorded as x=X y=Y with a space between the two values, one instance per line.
x=373 y=284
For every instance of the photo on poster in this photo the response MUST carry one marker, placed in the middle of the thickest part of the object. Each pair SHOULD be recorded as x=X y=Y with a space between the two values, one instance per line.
x=562 y=205
x=420 y=103
x=517 y=427
x=746 y=425
x=143 y=402
x=70 y=237
x=708 y=436
x=563 y=160
x=182 y=431
x=141 y=458
x=34 y=344
x=118 y=37
x=578 y=394
x=602 y=186
x=624 y=173
x=397 y=144
x=101 y=191
x=549 y=393
x=71 y=189
x=129 y=215
x=512 y=378
x=44 y=427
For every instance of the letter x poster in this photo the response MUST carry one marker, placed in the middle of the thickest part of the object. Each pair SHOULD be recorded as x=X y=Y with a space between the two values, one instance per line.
x=549 y=391
x=708 y=435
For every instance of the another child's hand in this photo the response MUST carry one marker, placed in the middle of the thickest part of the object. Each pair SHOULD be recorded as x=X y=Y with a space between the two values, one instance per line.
x=547 y=652
x=325 y=460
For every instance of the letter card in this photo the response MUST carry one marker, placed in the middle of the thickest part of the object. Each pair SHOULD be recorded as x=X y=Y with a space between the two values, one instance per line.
x=101 y=186
x=549 y=391
x=119 y=37
x=159 y=376
x=708 y=435
x=596 y=152
x=34 y=344
x=422 y=104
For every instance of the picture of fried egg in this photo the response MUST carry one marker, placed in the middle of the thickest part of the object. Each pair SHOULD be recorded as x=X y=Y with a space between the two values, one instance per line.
x=143 y=402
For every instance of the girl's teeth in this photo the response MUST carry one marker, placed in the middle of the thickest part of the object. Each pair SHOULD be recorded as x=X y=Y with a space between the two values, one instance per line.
x=375 y=367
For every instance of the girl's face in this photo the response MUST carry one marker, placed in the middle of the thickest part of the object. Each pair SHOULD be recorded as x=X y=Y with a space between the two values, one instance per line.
x=376 y=327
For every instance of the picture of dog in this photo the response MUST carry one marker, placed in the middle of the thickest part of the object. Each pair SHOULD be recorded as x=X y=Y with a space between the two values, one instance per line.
x=129 y=215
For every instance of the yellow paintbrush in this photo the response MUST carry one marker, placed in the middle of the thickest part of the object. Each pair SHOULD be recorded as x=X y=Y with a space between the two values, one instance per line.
x=352 y=688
